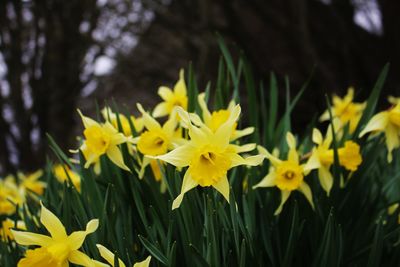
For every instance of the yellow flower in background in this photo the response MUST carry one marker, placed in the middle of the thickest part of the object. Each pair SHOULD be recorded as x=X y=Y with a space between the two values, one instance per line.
x=59 y=249
x=287 y=175
x=387 y=121
x=31 y=182
x=345 y=111
x=5 y=230
x=322 y=157
x=172 y=98
x=215 y=119
x=110 y=116
x=110 y=258
x=9 y=196
x=156 y=140
x=63 y=172
x=208 y=156
x=392 y=209
x=102 y=139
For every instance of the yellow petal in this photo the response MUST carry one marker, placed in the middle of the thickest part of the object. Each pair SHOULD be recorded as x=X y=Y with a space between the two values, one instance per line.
x=145 y=263
x=223 y=187
x=392 y=140
x=240 y=133
x=160 y=110
x=115 y=155
x=179 y=157
x=149 y=122
x=237 y=160
x=291 y=141
x=165 y=93
x=180 y=86
x=274 y=160
x=31 y=239
x=75 y=240
x=243 y=148
x=267 y=181
x=325 y=116
x=187 y=184
x=203 y=105
x=224 y=132
x=305 y=189
x=52 y=224
x=313 y=162
x=87 y=122
x=284 y=197
x=146 y=161
x=317 y=136
x=80 y=258
x=377 y=123
x=108 y=255
x=326 y=179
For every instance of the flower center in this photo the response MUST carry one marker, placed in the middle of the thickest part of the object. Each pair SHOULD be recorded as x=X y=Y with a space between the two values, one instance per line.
x=208 y=166
x=289 y=176
x=97 y=140
x=153 y=143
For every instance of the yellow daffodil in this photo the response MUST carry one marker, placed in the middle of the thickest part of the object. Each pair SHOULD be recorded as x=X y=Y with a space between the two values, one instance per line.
x=63 y=173
x=215 y=119
x=345 y=111
x=5 y=230
x=287 y=175
x=392 y=209
x=387 y=121
x=9 y=196
x=57 y=250
x=156 y=140
x=102 y=139
x=110 y=258
x=322 y=158
x=208 y=155
x=172 y=98
x=31 y=182
x=110 y=116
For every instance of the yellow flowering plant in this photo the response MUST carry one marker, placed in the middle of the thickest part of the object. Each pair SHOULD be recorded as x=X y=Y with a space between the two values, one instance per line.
x=209 y=169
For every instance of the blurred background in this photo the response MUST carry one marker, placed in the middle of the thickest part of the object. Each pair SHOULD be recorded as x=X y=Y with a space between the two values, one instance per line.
x=58 y=55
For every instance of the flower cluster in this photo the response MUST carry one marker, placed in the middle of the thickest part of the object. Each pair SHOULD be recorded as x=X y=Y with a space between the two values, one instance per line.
x=203 y=147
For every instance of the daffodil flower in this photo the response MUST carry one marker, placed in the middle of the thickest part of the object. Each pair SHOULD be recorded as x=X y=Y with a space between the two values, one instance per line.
x=392 y=209
x=63 y=172
x=322 y=158
x=172 y=98
x=345 y=111
x=5 y=230
x=102 y=139
x=110 y=258
x=59 y=249
x=208 y=156
x=287 y=175
x=110 y=116
x=9 y=196
x=156 y=140
x=388 y=122
x=215 y=119
x=31 y=182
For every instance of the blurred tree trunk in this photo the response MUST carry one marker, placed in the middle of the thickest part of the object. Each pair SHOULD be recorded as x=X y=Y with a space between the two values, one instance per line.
x=43 y=50
x=288 y=37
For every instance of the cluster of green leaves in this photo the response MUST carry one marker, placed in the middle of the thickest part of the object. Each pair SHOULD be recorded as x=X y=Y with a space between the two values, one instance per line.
x=351 y=227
